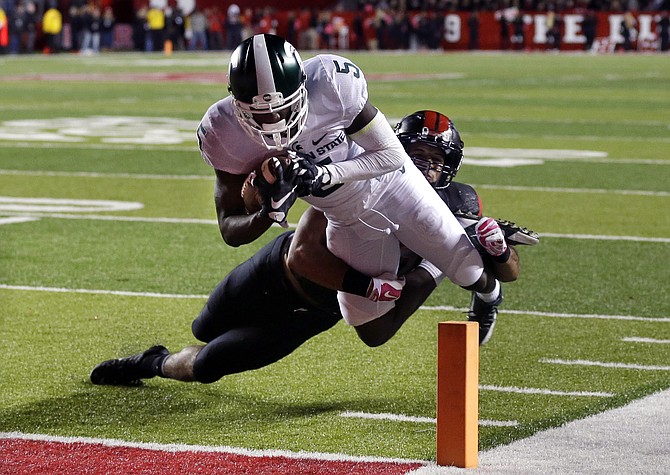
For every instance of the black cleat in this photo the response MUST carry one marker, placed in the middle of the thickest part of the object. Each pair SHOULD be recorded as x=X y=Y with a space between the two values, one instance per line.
x=127 y=371
x=485 y=314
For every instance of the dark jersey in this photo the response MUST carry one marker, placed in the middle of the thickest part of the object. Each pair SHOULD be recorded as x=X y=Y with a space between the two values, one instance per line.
x=255 y=316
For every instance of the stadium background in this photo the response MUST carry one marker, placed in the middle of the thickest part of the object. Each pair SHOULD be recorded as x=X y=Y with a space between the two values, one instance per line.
x=454 y=23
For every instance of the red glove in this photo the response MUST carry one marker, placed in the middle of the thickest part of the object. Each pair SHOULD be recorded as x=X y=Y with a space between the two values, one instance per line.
x=491 y=237
x=385 y=288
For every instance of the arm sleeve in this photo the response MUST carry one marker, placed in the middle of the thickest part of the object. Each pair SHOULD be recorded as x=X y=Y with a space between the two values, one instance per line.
x=383 y=153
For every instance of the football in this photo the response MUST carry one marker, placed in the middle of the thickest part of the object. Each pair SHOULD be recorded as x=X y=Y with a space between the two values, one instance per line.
x=253 y=201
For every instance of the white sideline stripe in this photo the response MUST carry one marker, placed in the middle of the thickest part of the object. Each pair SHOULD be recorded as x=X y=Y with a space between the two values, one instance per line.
x=605 y=364
x=138 y=176
x=102 y=292
x=96 y=146
x=209 y=449
x=544 y=392
x=634 y=339
x=573 y=190
x=142 y=219
x=151 y=176
x=403 y=418
x=17 y=219
x=100 y=217
x=448 y=308
x=606 y=238
x=432 y=309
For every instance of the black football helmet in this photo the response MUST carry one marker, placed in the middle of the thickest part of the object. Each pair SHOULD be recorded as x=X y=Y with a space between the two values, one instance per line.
x=265 y=75
x=438 y=131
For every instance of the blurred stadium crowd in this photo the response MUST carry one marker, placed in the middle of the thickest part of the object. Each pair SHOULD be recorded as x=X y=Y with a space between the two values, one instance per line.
x=93 y=26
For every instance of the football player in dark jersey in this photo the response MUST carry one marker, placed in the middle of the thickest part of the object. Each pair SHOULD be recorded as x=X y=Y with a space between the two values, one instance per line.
x=262 y=310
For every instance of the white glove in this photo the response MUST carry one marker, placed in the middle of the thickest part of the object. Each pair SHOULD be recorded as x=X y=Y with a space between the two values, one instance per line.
x=385 y=288
x=491 y=237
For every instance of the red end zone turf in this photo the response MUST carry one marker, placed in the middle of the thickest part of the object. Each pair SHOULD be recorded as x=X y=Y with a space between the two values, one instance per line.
x=21 y=456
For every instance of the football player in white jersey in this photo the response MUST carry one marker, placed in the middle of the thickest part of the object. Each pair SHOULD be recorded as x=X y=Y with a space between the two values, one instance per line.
x=352 y=167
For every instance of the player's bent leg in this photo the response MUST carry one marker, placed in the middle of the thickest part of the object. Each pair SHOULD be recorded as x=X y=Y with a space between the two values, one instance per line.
x=245 y=349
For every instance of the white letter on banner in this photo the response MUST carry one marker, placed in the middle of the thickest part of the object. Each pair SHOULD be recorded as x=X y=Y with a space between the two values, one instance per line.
x=573 y=29
x=540 y=36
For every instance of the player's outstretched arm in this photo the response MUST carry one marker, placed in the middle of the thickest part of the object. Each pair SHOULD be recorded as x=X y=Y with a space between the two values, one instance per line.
x=236 y=226
x=419 y=284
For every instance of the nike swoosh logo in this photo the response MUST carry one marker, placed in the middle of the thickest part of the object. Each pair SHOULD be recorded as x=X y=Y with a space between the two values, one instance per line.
x=277 y=204
x=316 y=142
x=390 y=295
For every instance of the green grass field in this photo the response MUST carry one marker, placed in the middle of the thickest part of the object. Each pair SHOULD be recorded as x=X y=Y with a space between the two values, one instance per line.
x=590 y=135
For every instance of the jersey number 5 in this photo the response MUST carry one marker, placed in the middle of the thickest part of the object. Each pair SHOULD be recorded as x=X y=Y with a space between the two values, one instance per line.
x=346 y=69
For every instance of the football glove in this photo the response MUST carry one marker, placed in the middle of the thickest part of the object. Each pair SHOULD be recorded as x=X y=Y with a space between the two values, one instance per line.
x=278 y=197
x=311 y=177
x=514 y=234
x=490 y=237
x=385 y=288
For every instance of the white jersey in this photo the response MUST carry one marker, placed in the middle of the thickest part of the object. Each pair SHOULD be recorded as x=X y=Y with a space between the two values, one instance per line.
x=367 y=218
x=336 y=92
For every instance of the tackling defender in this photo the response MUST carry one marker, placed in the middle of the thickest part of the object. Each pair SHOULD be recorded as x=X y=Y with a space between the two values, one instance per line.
x=262 y=310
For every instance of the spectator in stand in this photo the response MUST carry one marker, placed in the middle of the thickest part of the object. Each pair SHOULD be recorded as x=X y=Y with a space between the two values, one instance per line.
x=436 y=30
x=589 y=27
x=504 y=29
x=358 y=33
x=214 y=28
x=52 y=26
x=627 y=30
x=518 y=33
x=16 y=28
x=233 y=26
x=554 y=29
x=267 y=21
x=30 y=27
x=4 y=30
x=309 y=38
x=77 y=11
x=198 y=31
x=664 y=30
x=156 y=24
x=92 y=23
x=401 y=30
x=107 y=29
x=140 y=28
x=175 y=28
x=473 y=30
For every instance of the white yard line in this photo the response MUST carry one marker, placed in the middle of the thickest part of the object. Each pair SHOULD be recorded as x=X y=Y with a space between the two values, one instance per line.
x=382 y=416
x=440 y=308
x=541 y=391
x=448 y=308
x=147 y=219
x=16 y=219
x=634 y=339
x=605 y=364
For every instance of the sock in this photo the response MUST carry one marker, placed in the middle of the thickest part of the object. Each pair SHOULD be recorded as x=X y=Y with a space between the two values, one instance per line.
x=489 y=297
x=356 y=283
x=152 y=365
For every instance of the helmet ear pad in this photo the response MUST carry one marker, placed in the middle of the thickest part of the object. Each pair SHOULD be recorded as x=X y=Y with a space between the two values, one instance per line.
x=266 y=76
x=437 y=131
